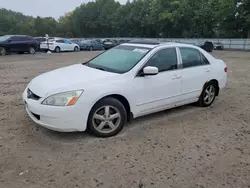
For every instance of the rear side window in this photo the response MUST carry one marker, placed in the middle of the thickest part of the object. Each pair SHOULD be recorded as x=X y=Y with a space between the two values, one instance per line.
x=164 y=60
x=60 y=41
x=204 y=60
x=192 y=57
x=19 y=38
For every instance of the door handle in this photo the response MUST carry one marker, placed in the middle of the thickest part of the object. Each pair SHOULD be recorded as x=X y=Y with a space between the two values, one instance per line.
x=176 y=77
x=207 y=70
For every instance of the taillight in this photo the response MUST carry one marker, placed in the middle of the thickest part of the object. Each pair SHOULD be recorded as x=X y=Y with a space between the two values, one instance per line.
x=225 y=69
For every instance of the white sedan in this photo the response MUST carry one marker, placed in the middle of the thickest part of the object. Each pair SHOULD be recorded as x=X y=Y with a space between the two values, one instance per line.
x=59 y=45
x=131 y=80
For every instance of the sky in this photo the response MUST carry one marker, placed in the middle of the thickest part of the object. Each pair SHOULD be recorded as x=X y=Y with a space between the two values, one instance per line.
x=44 y=8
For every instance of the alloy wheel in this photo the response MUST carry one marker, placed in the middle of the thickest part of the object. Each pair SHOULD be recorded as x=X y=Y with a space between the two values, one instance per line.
x=106 y=119
x=3 y=51
x=31 y=50
x=209 y=94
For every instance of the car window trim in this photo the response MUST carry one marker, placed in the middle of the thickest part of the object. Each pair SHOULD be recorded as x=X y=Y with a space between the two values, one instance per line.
x=178 y=48
x=178 y=62
x=205 y=58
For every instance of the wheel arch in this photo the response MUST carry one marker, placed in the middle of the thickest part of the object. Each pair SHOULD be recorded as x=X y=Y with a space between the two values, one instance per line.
x=57 y=47
x=216 y=83
x=124 y=102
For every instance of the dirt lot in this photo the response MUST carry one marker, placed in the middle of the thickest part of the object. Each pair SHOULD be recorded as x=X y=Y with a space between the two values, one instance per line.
x=187 y=147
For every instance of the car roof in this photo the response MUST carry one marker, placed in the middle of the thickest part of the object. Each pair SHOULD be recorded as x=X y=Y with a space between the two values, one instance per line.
x=17 y=35
x=155 y=43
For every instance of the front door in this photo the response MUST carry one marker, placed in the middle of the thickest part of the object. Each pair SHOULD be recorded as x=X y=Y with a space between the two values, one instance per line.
x=68 y=45
x=158 y=92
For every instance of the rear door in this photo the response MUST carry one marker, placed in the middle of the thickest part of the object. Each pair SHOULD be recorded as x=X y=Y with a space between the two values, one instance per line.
x=60 y=43
x=196 y=71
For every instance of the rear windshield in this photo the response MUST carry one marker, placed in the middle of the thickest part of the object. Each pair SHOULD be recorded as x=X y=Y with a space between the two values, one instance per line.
x=4 y=38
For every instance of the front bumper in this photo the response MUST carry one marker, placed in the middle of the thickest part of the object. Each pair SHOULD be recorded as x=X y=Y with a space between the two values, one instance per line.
x=61 y=119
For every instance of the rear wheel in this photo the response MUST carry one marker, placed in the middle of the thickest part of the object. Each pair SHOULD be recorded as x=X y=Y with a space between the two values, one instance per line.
x=3 y=51
x=107 y=118
x=208 y=94
x=57 y=49
x=32 y=50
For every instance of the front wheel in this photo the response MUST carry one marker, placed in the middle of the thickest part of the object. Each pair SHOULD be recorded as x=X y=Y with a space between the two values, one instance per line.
x=76 y=49
x=208 y=95
x=107 y=118
x=3 y=51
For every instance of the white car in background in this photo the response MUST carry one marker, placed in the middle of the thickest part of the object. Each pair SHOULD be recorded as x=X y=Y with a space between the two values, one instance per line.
x=59 y=45
x=128 y=81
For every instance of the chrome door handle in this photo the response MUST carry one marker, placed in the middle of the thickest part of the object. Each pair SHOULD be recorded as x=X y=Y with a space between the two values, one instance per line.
x=176 y=77
x=207 y=70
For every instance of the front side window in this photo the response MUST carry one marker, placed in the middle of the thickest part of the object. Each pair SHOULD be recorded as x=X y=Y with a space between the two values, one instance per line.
x=66 y=42
x=164 y=60
x=119 y=59
x=190 y=57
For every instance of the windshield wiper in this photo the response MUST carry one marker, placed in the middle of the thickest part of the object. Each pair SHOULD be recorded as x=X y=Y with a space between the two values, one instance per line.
x=99 y=68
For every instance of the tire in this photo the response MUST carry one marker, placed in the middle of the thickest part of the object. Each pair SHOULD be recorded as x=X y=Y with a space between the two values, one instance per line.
x=101 y=115
x=57 y=49
x=3 y=51
x=32 y=50
x=76 y=49
x=208 y=95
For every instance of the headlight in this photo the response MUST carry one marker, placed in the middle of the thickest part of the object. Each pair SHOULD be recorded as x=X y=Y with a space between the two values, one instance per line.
x=63 y=99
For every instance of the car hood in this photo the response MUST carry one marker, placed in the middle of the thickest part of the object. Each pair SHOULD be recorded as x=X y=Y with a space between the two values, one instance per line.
x=69 y=78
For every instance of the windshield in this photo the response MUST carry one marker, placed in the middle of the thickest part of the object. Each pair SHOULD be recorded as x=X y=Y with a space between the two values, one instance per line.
x=119 y=59
x=4 y=38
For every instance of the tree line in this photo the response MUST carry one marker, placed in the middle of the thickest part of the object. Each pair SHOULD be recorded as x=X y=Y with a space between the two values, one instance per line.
x=139 y=18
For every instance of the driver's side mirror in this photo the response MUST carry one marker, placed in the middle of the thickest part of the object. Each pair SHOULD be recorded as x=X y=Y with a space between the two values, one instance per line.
x=9 y=40
x=150 y=70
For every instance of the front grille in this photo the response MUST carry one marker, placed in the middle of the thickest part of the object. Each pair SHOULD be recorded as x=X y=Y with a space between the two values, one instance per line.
x=36 y=116
x=31 y=95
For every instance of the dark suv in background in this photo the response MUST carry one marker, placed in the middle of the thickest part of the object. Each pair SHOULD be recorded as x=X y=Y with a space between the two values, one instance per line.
x=17 y=43
x=208 y=46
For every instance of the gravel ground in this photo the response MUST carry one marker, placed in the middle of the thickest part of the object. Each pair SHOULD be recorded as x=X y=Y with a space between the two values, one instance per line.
x=187 y=147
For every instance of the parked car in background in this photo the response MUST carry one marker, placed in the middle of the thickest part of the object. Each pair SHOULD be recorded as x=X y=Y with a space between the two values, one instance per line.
x=39 y=40
x=218 y=46
x=59 y=45
x=90 y=45
x=208 y=46
x=17 y=43
x=110 y=44
x=127 y=81
x=76 y=41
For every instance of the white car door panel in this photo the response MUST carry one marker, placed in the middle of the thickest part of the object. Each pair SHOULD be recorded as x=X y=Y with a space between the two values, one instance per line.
x=153 y=93
x=156 y=92
x=195 y=73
